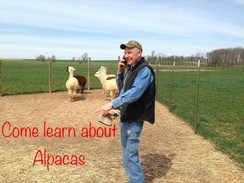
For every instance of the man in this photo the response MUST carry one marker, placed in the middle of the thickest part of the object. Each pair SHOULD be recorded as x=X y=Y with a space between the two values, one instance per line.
x=136 y=101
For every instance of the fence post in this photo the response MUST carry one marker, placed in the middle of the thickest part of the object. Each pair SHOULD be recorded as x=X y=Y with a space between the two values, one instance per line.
x=197 y=98
x=157 y=80
x=171 y=106
x=1 y=85
x=50 y=75
x=88 y=73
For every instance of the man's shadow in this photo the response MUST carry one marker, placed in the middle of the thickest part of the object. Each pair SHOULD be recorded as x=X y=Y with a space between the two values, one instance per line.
x=155 y=166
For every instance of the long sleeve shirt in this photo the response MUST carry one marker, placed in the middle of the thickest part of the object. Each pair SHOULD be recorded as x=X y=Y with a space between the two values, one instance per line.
x=142 y=81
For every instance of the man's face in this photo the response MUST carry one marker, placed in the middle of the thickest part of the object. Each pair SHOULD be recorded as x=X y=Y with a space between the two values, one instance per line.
x=132 y=55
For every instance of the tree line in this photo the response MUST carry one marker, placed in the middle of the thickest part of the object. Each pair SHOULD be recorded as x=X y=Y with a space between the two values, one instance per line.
x=226 y=57
x=82 y=59
x=219 y=57
x=42 y=58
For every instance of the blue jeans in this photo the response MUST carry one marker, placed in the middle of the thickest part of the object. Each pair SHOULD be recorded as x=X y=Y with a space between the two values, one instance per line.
x=130 y=138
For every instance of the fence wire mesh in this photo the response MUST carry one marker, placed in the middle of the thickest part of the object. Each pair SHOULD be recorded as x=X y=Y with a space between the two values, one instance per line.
x=210 y=99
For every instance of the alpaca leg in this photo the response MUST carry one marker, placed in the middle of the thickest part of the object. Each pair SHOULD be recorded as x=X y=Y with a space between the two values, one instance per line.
x=70 y=95
x=74 y=95
x=82 y=89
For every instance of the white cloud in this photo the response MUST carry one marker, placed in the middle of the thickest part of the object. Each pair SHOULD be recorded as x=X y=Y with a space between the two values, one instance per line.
x=241 y=2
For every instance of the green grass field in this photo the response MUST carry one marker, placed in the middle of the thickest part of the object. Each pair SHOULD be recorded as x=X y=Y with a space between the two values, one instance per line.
x=221 y=95
x=30 y=76
x=221 y=105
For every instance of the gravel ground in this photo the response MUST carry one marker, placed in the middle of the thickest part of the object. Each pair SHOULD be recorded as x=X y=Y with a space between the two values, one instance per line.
x=74 y=147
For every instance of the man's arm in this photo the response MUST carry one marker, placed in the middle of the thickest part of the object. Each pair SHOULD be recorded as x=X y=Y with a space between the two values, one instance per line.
x=142 y=81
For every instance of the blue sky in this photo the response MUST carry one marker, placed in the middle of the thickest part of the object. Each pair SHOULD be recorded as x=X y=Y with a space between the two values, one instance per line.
x=69 y=28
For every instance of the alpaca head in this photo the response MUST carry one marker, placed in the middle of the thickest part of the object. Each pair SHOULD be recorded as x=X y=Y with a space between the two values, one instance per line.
x=102 y=70
x=70 y=70
x=98 y=74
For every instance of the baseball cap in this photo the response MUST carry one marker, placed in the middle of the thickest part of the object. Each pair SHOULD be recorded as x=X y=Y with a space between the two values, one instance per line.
x=131 y=44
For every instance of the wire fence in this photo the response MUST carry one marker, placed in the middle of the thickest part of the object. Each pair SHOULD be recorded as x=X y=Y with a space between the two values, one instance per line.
x=186 y=88
x=210 y=99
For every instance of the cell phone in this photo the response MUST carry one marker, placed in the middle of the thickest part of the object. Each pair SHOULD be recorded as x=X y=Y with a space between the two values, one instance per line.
x=125 y=62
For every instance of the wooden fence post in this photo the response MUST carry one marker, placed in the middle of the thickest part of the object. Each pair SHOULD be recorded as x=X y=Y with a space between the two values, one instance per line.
x=171 y=103
x=157 y=80
x=50 y=75
x=197 y=99
x=88 y=73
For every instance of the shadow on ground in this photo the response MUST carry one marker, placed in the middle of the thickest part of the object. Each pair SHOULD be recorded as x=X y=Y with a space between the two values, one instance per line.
x=155 y=166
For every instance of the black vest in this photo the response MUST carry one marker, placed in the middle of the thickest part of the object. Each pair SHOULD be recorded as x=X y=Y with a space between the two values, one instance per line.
x=144 y=108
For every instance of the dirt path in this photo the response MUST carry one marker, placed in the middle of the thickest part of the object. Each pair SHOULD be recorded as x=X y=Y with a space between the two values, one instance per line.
x=170 y=151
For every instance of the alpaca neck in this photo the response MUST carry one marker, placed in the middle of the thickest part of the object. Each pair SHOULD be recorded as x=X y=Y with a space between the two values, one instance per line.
x=71 y=74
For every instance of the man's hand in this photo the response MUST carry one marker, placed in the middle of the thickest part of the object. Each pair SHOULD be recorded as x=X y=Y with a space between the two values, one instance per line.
x=121 y=66
x=105 y=109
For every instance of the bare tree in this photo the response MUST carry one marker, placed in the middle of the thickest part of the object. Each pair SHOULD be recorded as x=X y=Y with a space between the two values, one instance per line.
x=73 y=59
x=225 y=57
x=84 y=58
x=53 y=58
x=41 y=58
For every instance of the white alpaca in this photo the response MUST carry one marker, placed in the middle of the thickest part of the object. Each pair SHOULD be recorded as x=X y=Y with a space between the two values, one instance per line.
x=72 y=84
x=108 y=82
x=103 y=71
